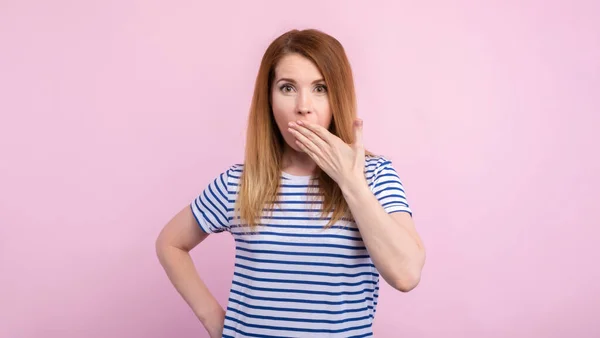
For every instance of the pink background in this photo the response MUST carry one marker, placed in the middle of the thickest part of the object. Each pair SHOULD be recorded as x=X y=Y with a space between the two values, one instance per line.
x=115 y=114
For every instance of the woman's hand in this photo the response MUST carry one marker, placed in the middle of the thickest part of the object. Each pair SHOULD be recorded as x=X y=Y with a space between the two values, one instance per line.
x=344 y=163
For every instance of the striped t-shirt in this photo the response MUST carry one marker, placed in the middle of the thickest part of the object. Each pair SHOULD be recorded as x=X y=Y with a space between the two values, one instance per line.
x=292 y=278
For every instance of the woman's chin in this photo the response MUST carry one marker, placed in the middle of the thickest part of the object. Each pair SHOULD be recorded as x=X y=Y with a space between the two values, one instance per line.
x=296 y=148
x=293 y=146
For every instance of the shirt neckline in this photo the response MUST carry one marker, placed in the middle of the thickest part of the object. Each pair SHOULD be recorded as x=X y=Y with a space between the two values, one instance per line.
x=297 y=178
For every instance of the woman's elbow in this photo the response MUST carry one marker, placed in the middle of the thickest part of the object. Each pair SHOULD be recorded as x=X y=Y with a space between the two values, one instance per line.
x=406 y=283
x=409 y=277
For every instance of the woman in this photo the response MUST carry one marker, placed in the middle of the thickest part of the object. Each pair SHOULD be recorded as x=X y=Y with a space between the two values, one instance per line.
x=316 y=218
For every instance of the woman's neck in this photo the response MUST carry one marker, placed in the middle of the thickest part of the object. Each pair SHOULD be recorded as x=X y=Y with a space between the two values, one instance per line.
x=297 y=162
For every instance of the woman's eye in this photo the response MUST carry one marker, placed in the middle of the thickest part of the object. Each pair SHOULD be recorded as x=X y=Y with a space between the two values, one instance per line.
x=321 y=89
x=286 y=88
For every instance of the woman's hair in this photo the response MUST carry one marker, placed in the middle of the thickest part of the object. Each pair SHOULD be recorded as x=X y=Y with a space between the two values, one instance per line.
x=260 y=179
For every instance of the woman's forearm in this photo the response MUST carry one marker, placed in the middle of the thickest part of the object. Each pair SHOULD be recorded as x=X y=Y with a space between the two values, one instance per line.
x=397 y=253
x=180 y=269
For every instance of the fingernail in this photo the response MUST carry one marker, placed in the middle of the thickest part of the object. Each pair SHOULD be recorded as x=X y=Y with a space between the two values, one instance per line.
x=300 y=123
x=291 y=124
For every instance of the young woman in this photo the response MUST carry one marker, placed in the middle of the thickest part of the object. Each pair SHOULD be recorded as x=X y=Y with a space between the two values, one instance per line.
x=316 y=218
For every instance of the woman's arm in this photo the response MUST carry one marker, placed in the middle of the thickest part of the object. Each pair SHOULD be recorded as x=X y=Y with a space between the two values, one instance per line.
x=173 y=244
x=391 y=239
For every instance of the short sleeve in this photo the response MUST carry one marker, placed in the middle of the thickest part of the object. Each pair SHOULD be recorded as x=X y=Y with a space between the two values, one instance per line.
x=211 y=208
x=388 y=188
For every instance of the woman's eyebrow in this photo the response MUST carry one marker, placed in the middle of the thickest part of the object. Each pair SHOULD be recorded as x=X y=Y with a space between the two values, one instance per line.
x=294 y=81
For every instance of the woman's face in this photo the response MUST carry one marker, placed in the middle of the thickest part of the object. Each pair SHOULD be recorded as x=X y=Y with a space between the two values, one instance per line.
x=299 y=93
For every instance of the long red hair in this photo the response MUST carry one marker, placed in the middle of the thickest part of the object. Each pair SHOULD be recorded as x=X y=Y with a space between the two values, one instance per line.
x=261 y=175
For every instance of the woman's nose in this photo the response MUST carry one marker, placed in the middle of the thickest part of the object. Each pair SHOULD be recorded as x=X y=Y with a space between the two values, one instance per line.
x=304 y=104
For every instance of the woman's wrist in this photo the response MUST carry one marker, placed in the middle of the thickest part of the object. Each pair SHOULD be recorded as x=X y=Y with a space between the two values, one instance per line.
x=214 y=323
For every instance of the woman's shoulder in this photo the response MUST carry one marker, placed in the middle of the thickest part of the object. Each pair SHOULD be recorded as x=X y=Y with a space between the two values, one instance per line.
x=377 y=165
x=377 y=160
x=234 y=171
x=229 y=173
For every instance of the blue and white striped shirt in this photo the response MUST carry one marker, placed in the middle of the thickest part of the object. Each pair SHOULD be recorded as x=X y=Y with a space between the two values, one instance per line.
x=292 y=278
